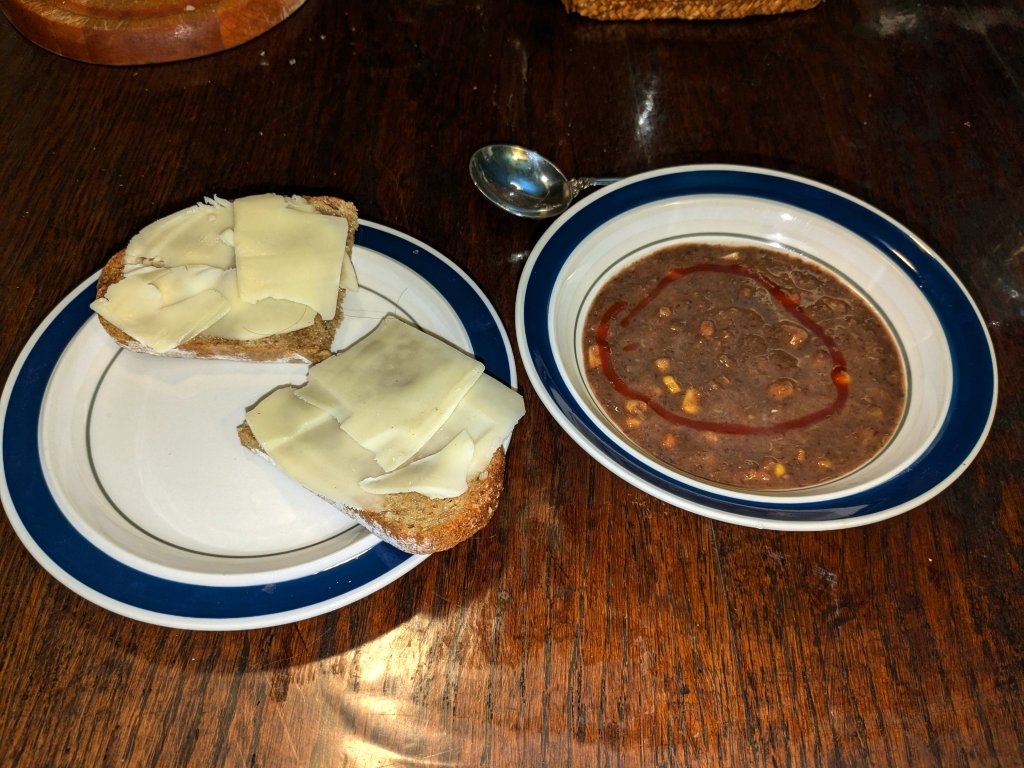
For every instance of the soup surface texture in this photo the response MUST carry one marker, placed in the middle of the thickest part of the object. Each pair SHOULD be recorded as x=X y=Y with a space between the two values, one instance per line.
x=748 y=366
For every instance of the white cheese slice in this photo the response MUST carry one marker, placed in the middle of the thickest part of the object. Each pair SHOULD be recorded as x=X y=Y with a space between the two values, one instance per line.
x=180 y=283
x=308 y=446
x=441 y=475
x=281 y=416
x=487 y=413
x=191 y=236
x=267 y=317
x=136 y=306
x=393 y=389
x=284 y=249
x=348 y=273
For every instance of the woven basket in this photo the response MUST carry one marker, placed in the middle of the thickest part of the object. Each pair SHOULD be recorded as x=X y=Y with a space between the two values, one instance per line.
x=609 y=10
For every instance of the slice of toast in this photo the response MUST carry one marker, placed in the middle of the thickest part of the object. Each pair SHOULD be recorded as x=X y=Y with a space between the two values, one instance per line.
x=310 y=344
x=415 y=523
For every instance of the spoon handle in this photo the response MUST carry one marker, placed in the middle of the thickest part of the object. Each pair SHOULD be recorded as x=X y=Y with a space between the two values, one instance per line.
x=578 y=185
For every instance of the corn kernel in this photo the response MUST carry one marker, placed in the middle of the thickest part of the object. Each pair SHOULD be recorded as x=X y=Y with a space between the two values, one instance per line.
x=798 y=337
x=841 y=378
x=671 y=384
x=823 y=463
x=664 y=311
x=633 y=422
x=801 y=454
x=706 y=328
x=781 y=389
x=594 y=356
x=691 y=401
x=662 y=364
x=668 y=441
x=779 y=469
x=635 y=406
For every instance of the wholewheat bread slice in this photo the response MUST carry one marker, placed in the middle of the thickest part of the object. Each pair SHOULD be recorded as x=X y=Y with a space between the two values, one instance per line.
x=415 y=523
x=311 y=344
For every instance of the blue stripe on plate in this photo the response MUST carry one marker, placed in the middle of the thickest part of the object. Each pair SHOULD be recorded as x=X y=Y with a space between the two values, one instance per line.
x=973 y=366
x=96 y=570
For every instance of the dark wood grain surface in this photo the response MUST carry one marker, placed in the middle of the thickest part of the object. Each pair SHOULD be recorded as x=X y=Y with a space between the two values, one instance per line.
x=589 y=624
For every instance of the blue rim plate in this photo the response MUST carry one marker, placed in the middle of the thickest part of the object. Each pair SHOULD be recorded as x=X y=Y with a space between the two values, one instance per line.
x=108 y=581
x=732 y=196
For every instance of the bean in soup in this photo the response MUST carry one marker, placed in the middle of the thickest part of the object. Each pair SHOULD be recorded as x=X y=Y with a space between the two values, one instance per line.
x=748 y=366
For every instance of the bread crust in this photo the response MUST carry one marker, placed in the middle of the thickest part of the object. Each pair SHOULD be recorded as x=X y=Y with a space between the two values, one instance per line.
x=415 y=523
x=623 y=10
x=306 y=345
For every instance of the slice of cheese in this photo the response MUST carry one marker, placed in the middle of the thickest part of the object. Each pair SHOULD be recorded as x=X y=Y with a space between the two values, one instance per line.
x=294 y=256
x=348 y=274
x=393 y=389
x=281 y=416
x=242 y=321
x=487 y=413
x=440 y=475
x=397 y=412
x=179 y=283
x=308 y=446
x=267 y=317
x=195 y=235
x=284 y=249
x=136 y=305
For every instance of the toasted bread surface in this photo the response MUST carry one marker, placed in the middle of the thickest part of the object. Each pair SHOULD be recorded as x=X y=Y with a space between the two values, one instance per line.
x=417 y=524
x=311 y=344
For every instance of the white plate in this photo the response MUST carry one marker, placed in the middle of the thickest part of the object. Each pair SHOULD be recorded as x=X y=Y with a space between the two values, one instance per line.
x=123 y=476
x=946 y=350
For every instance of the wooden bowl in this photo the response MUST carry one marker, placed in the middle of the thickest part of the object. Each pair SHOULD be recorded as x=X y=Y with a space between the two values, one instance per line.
x=130 y=32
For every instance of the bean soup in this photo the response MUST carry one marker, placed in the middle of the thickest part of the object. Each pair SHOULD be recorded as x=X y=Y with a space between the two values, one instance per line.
x=749 y=367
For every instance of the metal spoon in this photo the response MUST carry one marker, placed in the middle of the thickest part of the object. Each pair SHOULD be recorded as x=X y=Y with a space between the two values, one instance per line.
x=524 y=182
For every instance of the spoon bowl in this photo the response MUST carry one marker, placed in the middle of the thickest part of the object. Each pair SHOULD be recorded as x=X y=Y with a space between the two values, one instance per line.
x=524 y=182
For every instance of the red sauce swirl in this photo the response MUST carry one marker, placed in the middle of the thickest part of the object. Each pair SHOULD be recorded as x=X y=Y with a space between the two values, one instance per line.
x=840 y=376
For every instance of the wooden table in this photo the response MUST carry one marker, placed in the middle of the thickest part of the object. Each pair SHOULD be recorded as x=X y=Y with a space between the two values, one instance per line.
x=588 y=624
